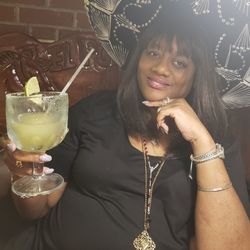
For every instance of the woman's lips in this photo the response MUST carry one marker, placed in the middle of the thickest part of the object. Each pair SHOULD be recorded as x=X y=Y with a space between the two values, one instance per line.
x=158 y=83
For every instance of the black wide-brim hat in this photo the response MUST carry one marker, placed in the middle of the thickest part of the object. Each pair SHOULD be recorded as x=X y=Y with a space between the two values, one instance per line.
x=118 y=25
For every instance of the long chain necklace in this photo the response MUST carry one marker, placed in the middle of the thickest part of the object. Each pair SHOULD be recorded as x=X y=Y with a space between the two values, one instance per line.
x=143 y=241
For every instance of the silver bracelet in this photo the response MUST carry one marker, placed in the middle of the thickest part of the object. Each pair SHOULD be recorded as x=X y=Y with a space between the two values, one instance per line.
x=215 y=189
x=218 y=152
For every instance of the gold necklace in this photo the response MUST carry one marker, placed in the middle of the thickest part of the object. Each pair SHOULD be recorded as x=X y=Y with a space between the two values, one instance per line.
x=143 y=241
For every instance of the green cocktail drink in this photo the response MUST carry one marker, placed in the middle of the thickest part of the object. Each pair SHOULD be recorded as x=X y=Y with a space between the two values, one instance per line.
x=45 y=130
x=36 y=124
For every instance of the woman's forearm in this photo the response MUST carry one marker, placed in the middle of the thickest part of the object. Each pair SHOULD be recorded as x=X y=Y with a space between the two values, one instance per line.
x=36 y=207
x=31 y=208
x=4 y=180
x=220 y=218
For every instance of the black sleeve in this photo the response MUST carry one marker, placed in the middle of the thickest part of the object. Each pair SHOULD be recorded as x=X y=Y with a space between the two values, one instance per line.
x=237 y=173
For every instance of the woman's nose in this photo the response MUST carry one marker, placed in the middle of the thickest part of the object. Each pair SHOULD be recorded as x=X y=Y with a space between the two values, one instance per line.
x=162 y=66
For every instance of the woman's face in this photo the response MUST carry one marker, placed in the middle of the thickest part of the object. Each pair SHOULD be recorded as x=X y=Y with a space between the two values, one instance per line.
x=162 y=72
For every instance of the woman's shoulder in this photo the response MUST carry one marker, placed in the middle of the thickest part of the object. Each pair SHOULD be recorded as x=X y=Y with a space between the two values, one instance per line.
x=100 y=95
x=95 y=105
x=97 y=99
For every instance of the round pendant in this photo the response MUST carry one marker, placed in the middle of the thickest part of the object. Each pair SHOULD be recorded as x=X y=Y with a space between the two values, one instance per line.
x=144 y=242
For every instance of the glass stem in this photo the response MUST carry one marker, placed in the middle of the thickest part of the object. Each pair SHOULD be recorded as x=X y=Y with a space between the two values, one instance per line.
x=37 y=170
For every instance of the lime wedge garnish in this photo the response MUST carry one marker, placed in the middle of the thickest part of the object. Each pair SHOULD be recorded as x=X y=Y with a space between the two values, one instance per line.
x=31 y=86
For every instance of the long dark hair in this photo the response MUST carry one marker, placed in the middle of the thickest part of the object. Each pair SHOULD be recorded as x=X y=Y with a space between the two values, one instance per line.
x=204 y=95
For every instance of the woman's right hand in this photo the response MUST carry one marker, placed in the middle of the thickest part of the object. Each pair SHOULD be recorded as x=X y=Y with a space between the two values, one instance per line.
x=20 y=162
x=37 y=206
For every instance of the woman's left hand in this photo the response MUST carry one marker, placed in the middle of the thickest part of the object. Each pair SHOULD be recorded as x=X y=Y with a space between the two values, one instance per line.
x=184 y=117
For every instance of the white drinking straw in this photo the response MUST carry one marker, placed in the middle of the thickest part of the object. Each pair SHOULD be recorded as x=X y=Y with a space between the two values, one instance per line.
x=77 y=71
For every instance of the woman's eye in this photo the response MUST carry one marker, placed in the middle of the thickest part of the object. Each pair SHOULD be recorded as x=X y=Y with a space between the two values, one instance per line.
x=180 y=64
x=153 y=53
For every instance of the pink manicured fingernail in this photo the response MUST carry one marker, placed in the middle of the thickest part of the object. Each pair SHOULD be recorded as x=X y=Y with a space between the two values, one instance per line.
x=145 y=102
x=47 y=170
x=11 y=147
x=163 y=130
x=45 y=158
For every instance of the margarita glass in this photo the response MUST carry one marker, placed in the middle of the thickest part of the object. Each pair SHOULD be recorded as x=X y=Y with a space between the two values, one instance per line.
x=36 y=124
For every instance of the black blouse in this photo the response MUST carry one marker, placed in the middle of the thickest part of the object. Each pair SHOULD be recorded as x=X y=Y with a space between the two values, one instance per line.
x=103 y=205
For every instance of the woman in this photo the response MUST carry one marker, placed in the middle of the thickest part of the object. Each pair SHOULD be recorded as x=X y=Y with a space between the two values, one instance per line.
x=126 y=160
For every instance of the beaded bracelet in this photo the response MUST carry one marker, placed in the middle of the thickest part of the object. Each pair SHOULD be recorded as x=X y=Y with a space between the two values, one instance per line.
x=218 y=152
x=215 y=189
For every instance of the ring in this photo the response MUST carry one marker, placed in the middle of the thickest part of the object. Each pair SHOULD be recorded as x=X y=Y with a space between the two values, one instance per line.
x=165 y=101
x=19 y=164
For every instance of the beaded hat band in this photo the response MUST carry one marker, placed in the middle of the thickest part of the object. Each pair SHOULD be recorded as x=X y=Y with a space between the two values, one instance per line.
x=119 y=23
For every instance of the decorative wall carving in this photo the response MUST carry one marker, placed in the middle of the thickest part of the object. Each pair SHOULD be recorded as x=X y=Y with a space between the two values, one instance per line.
x=22 y=56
